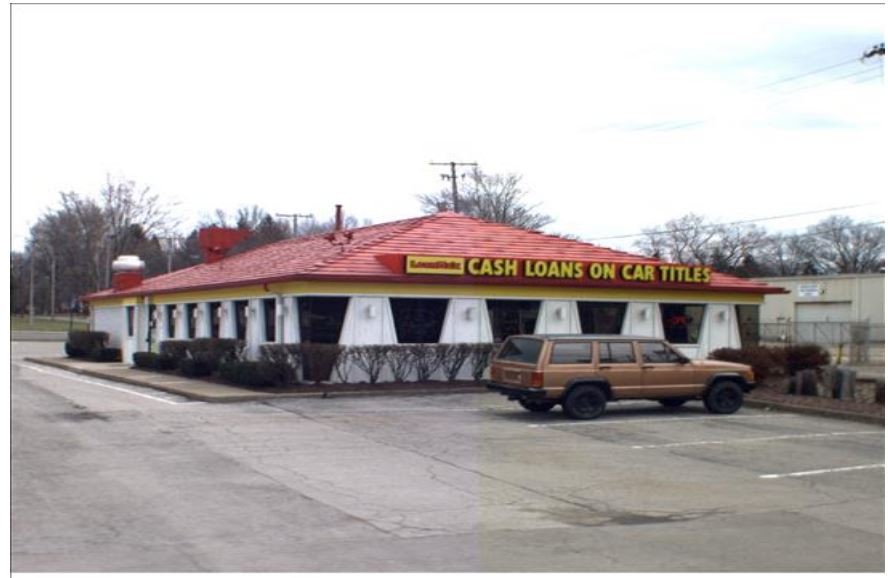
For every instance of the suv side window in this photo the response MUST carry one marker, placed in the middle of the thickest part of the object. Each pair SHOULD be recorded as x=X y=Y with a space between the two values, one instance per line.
x=571 y=353
x=615 y=352
x=657 y=352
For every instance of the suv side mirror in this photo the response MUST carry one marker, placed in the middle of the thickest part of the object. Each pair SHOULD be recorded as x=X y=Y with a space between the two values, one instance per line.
x=683 y=360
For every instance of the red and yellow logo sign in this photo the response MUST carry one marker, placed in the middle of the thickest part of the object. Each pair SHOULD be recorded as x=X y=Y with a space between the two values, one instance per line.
x=421 y=265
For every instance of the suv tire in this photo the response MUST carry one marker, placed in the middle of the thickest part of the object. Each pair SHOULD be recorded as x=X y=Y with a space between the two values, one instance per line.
x=723 y=397
x=585 y=402
x=536 y=405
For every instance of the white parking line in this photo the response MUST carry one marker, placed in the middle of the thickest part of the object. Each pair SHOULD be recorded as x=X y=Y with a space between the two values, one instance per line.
x=599 y=423
x=761 y=439
x=818 y=472
x=75 y=377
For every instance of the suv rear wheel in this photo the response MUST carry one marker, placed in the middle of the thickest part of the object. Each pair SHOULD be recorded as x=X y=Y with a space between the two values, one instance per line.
x=724 y=397
x=585 y=402
x=536 y=405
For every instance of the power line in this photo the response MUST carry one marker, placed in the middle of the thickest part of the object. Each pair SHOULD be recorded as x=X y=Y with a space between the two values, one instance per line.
x=803 y=75
x=715 y=225
x=452 y=177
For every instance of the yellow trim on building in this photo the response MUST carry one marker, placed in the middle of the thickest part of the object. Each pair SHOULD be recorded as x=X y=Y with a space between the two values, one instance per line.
x=478 y=291
x=109 y=302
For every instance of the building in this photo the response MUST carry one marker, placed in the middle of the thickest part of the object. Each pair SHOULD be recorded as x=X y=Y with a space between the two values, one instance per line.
x=445 y=277
x=829 y=309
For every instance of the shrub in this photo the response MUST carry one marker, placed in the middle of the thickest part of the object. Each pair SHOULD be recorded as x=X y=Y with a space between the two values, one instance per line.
x=284 y=358
x=83 y=343
x=400 y=361
x=252 y=373
x=453 y=357
x=342 y=367
x=165 y=362
x=191 y=367
x=804 y=356
x=370 y=359
x=425 y=360
x=215 y=350
x=106 y=354
x=145 y=359
x=765 y=361
x=175 y=348
x=479 y=359
x=318 y=360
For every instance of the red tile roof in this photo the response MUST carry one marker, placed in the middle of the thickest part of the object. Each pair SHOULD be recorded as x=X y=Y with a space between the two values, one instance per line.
x=442 y=234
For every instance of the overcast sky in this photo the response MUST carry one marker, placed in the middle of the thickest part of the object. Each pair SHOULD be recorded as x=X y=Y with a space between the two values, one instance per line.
x=618 y=117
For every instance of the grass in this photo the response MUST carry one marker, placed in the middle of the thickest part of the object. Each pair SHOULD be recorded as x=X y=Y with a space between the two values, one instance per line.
x=60 y=323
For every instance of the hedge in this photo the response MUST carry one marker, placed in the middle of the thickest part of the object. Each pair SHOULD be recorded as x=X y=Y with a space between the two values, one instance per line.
x=777 y=360
x=84 y=343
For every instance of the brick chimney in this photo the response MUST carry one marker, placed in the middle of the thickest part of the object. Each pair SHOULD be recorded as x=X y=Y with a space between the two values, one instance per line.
x=128 y=272
x=215 y=242
x=338 y=226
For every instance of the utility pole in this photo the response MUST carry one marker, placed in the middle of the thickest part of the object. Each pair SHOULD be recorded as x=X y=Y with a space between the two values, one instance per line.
x=295 y=217
x=452 y=177
x=169 y=245
x=31 y=292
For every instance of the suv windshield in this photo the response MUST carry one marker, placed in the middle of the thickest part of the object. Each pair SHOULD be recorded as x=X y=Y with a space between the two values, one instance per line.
x=520 y=349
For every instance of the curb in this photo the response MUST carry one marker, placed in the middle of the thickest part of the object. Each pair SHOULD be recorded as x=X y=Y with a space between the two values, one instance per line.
x=846 y=415
x=251 y=396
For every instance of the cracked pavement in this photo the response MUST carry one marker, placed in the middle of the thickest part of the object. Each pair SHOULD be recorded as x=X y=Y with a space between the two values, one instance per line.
x=106 y=480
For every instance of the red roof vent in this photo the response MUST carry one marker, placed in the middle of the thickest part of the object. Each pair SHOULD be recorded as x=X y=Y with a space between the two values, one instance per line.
x=215 y=242
x=128 y=272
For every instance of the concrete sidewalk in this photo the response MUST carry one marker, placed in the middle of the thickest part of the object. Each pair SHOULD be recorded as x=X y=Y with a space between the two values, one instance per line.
x=209 y=391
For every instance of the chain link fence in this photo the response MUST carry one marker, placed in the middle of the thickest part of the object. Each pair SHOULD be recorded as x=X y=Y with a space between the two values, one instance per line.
x=850 y=342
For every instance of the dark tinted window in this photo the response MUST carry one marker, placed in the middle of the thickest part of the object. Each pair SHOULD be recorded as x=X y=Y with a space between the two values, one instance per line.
x=615 y=352
x=269 y=307
x=571 y=353
x=130 y=321
x=215 y=307
x=190 y=320
x=170 y=320
x=240 y=319
x=521 y=349
x=748 y=321
x=418 y=320
x=321 y=318
x=508 y=317
x=681 y=323
x=655 y=352
x=603 y=318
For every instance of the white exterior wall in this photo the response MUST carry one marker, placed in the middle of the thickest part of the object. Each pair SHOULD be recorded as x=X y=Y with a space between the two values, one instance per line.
x=291 y=321
x=111 y=320
x=368 y=321
x=228 y=322
x=643 y=319
x=558 y=317
x=466 y=321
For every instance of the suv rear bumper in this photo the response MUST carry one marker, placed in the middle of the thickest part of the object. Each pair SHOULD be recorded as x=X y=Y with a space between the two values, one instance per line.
x=514 y=392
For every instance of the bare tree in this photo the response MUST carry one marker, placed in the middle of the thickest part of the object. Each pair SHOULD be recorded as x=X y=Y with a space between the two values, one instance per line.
x=844 y=246
x=687 y=239
x=492 y=197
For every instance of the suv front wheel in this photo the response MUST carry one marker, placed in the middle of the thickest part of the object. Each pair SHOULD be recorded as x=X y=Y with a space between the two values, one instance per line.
x=585 y=402
x=724 y=397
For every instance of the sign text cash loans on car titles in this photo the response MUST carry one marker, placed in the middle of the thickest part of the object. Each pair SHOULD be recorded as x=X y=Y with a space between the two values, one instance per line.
x=550 y=269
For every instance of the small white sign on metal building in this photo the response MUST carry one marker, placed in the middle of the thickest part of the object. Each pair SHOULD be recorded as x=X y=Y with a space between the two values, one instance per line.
x=809 y=290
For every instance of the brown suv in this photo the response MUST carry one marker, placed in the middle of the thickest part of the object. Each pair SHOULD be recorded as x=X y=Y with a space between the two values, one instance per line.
x=584 y=372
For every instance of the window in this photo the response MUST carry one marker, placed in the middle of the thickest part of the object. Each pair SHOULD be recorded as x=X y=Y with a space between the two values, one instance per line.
x=170 y=320
x=215 y=308
x=615 y=352
x=571 y=353
x=748 y=321
x=152 y=323
x=321 y=318
x=681 y=323
x=521 y=349
x=269 y=307
x=191 y=320
x=603 y=318
x=240 y=319
x=657 y=352
x=509 y=317
x=130 y=321
x=418 y=320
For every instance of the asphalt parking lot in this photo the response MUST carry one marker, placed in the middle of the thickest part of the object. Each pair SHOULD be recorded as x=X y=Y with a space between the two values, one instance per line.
x=109 y=477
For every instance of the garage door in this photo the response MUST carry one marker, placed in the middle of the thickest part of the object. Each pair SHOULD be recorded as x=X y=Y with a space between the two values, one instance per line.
x=822 y=322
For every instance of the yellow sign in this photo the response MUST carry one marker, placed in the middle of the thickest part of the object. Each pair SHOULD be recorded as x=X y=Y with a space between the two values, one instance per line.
x=436 y=265
x=651 y=273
